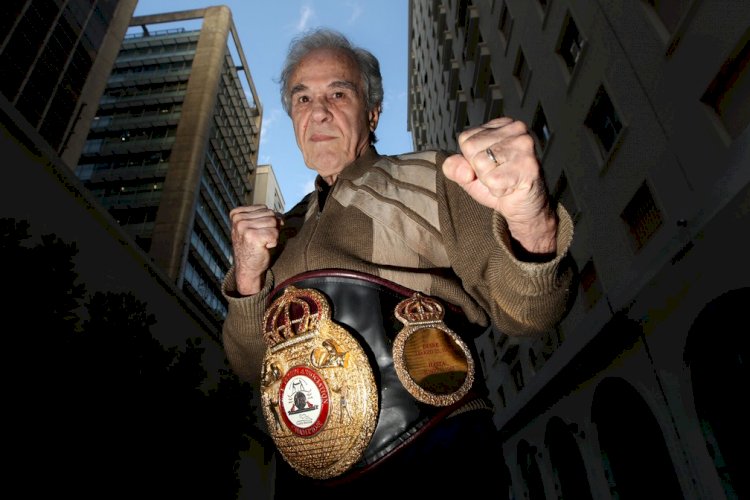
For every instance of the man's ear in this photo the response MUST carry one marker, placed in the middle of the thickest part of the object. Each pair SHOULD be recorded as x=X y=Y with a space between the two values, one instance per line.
x=373 y=117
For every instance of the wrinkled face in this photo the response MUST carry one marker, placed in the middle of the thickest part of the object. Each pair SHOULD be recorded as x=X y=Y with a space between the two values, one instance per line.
x=329 y=111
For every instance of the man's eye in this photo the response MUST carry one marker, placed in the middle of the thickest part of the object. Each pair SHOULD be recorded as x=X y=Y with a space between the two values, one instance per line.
x=303 y=98
x=338 y=95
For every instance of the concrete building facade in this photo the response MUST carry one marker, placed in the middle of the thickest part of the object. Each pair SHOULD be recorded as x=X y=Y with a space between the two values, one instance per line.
x=174 y=143
x=640 y=114
x=39 y=186
x=266 y=189
x=56 y=58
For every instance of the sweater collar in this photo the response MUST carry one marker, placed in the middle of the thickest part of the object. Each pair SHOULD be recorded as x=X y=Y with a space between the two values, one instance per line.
x=362 y=164
x=358 y=167
x=355 y=170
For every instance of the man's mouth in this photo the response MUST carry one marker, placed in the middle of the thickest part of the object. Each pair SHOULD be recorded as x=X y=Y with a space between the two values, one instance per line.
x=321 y=138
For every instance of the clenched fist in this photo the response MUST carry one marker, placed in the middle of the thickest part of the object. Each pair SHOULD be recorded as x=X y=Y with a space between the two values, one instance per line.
x=499 y=169
x=255 y=230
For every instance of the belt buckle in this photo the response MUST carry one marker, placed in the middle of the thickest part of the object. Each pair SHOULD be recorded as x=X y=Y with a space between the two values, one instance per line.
x=431 y=360
x=318 y=391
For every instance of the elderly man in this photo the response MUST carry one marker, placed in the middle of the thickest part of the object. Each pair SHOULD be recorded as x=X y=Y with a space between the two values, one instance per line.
x=393 y=264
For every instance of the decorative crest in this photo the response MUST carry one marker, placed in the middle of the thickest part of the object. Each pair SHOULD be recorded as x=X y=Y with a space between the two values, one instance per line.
x=419 y=309
x=295 y=313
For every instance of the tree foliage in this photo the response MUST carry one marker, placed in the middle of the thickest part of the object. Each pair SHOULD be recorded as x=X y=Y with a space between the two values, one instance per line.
x=101 y=407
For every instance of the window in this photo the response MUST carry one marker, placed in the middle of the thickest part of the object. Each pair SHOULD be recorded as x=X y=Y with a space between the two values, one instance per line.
x=541 y=129
x=501 y=397
x=462 y=116
x=517 y=372
x=471 y=33
x=463 y=5
x=494 y=106
x=729 y=92
x=670 y=12
x=564 y=196
x=447 y=53
x=505 y=22
x=543 y=6
x=482 y=70
x=453 y=79
x=571 y=43
x=642 y=216
x=592 y=288
x=521 y=71
x=534 y=360
x=604 y=121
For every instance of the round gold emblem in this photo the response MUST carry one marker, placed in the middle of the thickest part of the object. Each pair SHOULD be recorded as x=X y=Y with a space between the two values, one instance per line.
x=319 y=396
x=431 y=360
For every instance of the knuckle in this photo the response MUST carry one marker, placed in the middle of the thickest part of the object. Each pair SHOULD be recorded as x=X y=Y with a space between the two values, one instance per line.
x=525 y=142
x=462 y=136
x=518 y=127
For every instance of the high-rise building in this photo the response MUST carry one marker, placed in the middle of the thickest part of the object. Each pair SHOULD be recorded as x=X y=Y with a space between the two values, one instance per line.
x=174 y=143
x=67 y=266
x=640 y=112
x=56 y=57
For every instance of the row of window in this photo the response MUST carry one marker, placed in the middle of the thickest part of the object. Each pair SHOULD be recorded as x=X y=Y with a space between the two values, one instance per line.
x=216 y=232
x=105 y=137
x=216 y=174
x=208 y=293
x=139 y=111
x=215 y=215
x=134 y=192
x=116 y=162
x=212 y=262
x=157 y=49
x=46 y=52
x=171 y=32
x=151 y=89
x=169 y=67
x=232 y=147
x=135 y=216
x=641 y=215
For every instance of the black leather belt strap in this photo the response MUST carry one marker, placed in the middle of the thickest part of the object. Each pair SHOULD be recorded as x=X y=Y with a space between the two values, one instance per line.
x=364 y=305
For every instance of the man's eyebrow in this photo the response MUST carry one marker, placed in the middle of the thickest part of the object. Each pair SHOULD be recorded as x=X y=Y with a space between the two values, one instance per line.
x=343 y=84
x=336 y=84
x=297 y=88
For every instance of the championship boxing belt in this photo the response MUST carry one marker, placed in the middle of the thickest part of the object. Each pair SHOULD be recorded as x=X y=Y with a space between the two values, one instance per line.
x=320 y=400
x=356 y=367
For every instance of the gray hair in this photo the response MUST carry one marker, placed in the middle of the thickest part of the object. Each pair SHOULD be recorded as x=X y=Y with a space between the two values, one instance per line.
x=323 y=38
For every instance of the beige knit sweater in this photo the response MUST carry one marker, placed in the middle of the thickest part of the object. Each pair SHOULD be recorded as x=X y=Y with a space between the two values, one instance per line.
x=399 y=218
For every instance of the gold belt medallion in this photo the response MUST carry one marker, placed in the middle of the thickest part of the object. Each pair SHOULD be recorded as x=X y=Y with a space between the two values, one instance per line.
x=319 y=396
x=431 y=360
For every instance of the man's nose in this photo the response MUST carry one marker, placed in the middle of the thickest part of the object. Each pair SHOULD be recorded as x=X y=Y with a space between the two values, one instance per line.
x=320 y=111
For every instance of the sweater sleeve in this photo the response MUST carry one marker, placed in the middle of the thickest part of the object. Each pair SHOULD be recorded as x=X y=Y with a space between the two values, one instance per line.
x=521 y=298
x=537 y=295
x=242 y=331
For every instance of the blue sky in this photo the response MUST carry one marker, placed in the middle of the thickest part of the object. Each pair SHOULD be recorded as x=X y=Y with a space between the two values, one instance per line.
x=266 y=28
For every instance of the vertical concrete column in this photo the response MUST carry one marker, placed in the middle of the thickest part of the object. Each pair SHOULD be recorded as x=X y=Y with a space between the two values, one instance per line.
x=174 y=221
x=96 y=82
x=588 y=442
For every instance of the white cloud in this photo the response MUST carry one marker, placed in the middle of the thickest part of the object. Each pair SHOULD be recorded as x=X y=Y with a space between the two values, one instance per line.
x=356 y=11
x=268 y=121
x=305 y=14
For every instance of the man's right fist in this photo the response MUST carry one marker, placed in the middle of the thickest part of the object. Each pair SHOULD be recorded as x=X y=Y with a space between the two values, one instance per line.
x=255 y=230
